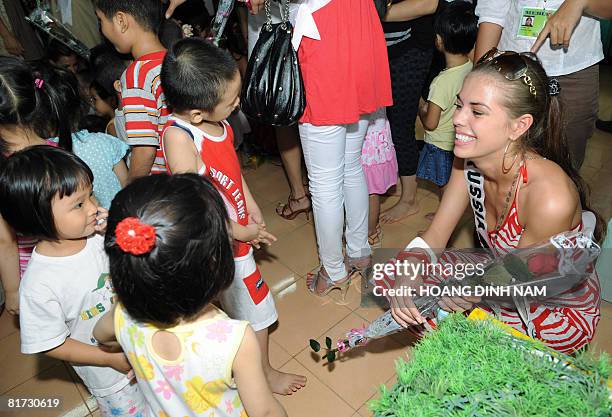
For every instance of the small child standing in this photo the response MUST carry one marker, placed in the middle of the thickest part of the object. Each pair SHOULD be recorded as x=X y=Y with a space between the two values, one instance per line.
x=131 y=26
x=59 y=115
x=456 y=28
x=170 y=255
x=47 y=193
x=107 y=66
x=202 y=85
x=380 y=169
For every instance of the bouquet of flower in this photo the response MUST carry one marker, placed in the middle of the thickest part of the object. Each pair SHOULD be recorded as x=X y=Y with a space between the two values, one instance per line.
x=46 y=22
x=546 y=273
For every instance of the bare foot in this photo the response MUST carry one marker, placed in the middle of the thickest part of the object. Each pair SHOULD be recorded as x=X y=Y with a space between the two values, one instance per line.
x=399 y=211
x=284 y=384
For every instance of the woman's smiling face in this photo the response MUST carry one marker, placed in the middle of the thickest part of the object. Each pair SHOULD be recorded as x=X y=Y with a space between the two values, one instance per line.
x=482 y=124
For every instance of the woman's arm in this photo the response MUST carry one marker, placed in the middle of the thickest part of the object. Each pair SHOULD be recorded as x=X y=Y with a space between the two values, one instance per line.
x=555 y=208
x=488 y=37
x=454 y=202
x=9 y=267
x=410 y=10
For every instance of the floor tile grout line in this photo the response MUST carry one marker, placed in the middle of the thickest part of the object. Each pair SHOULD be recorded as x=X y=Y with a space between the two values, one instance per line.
x=306 y=347
x=325 y=385
x=32 y=377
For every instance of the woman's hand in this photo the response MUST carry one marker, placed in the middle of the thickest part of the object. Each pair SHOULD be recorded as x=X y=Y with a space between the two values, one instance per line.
x=458 y=304
x=254 y=6
x=172 y=6
x=561 y=25
x=403 y=309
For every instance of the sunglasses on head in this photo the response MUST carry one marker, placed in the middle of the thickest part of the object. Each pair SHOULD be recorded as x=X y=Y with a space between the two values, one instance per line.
x=510 y=64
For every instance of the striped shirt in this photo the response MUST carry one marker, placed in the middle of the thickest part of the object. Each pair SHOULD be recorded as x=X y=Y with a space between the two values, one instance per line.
x=144 y=105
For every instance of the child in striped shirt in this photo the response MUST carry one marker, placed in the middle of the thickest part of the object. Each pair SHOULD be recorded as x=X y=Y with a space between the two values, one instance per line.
x=132 y=28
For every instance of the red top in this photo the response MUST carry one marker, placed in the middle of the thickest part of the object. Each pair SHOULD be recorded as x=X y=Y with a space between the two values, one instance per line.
x=221 y=165
x=346 y=73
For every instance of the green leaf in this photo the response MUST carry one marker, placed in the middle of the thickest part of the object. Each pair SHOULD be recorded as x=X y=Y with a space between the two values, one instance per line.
x=328 y=342
x=314 y=345
x=331 y=356
x=517 y=268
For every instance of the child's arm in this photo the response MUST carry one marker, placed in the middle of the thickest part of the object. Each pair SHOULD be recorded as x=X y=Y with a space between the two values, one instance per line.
x=139 y=107
x=252 y=385
x=121 y=171
x=253 y=233
x=252 y=207
x=81 y=353
x=180 y=151
x=9 y=267
x=430 y=114
x=141 y=161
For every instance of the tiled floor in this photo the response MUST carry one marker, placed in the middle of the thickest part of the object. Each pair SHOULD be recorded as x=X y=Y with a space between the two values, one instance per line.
x=343 y=389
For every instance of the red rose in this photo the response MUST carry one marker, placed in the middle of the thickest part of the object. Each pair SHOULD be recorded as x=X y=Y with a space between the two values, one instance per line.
x=135 y=237
x=542 y=263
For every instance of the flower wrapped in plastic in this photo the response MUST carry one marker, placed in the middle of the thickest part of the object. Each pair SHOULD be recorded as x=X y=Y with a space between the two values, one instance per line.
x=49 y=24
x=544 y=274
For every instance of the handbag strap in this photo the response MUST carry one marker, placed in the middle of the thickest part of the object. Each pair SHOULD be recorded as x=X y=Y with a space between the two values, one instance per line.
x=223 y=13
x=284 y=10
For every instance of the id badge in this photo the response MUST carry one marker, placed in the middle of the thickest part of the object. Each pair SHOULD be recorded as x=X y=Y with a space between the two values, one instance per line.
x=532 y=21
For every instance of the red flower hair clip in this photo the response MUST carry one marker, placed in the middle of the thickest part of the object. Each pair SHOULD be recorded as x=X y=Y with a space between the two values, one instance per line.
x=135 y=237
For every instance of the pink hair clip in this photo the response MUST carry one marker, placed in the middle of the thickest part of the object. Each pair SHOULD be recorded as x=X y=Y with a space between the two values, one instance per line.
x=39 y=83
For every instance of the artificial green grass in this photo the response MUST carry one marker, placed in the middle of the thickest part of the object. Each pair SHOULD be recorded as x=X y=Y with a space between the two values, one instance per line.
x=473 y=368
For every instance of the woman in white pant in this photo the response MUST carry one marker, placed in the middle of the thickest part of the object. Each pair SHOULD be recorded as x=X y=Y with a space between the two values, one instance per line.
x=344 y=64
x=346 y=77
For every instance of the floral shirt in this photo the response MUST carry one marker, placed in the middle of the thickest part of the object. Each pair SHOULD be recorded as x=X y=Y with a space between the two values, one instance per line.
x=199 y=382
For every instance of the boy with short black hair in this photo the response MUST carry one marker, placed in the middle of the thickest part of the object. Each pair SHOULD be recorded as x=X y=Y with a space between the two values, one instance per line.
x=203 y=86
x=131 y=26
x=456 y=28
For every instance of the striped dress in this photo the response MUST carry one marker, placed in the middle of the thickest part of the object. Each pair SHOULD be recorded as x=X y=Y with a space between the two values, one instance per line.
x=144 y=105
x=564 y=329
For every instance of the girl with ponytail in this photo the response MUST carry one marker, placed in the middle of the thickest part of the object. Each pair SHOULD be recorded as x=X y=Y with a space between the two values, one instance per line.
x=41 y=105
x=512 y=165
x=20 y=102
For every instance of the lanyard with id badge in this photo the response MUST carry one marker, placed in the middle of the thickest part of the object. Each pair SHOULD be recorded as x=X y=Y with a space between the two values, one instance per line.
x=533 y=20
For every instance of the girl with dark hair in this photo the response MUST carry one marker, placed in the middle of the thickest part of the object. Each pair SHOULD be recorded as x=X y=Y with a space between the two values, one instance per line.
x=34 y=106
x=46 y=192
x=512 y=165
x=20 y=96
x=59 y=115
x=170 y=255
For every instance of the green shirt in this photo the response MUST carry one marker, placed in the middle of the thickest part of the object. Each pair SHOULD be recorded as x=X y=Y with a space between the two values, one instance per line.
x=443 y=92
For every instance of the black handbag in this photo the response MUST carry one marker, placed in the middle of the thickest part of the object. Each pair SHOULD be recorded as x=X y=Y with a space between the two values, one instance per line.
x=273 y=89
x=381 y=8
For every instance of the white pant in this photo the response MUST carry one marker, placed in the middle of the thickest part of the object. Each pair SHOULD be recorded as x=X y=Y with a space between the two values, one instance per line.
x=337 y=184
